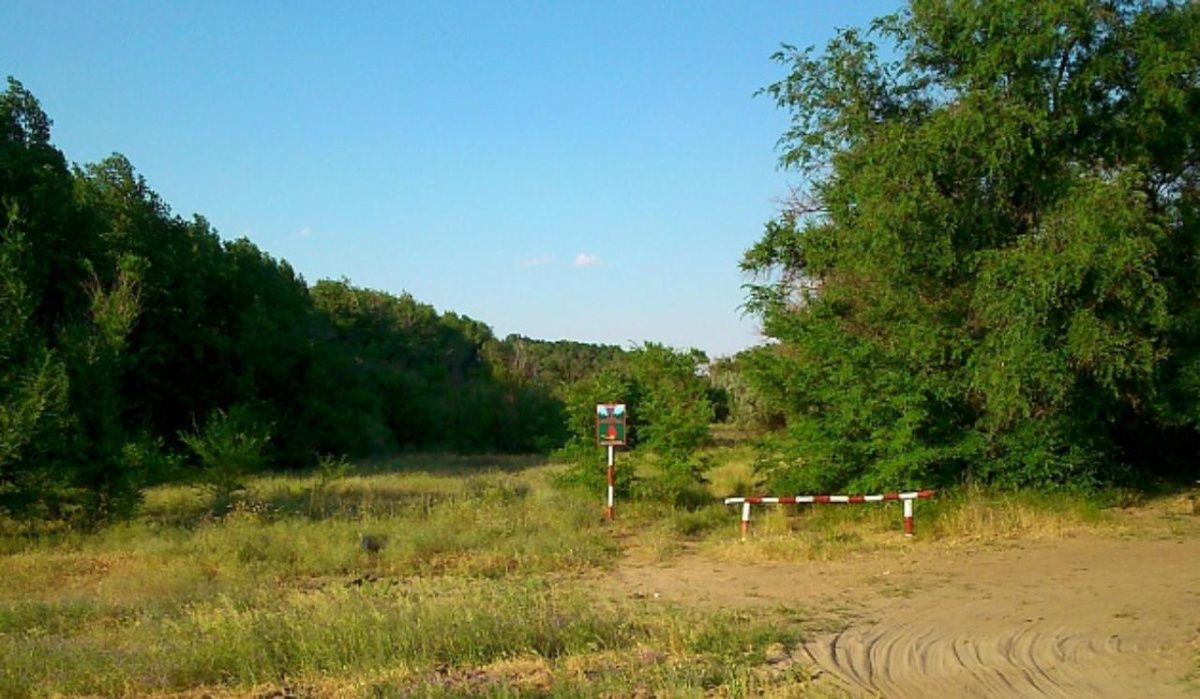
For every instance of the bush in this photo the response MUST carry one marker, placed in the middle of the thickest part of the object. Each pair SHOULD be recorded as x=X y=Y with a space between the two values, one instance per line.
x=669 y=414
x=588 y=469
x=230 y=447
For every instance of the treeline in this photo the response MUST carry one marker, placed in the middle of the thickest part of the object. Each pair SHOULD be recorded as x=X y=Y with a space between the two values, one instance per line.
x=127 y=332
x=995 y=275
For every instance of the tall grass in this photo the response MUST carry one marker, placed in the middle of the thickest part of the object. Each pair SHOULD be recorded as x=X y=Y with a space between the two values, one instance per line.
x=419 y=633
x=478 y=588
x=956 y=516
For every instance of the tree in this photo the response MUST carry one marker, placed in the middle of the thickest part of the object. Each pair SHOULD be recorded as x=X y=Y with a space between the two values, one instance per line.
x=675 y=411
x=669 y=414
x=108 y=487
x=33 y=387
x=123 y=327
x=745 y=383
x=994 y=275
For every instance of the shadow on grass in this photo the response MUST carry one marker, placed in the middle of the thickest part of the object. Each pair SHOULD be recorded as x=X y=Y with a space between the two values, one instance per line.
x=403 y=484
x=450 y=464
x=356 y=502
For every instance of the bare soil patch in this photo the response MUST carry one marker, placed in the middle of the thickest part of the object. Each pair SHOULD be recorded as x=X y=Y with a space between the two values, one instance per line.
x=1089 y=616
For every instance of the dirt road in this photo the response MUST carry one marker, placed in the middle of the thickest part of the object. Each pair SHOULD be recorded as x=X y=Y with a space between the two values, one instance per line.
x=1090 y=616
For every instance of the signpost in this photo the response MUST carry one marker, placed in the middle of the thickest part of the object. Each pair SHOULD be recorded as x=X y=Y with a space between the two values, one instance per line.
x=610 y=432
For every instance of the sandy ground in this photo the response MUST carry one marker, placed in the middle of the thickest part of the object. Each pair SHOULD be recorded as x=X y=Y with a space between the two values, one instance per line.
x=1089 y=616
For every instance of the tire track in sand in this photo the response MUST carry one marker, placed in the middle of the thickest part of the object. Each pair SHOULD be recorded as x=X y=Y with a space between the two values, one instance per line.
x=1083 y=617
x=920 y=659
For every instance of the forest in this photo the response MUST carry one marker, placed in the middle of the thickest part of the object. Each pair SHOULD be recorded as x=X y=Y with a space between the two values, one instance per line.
x=992 y=275
x=138 y=347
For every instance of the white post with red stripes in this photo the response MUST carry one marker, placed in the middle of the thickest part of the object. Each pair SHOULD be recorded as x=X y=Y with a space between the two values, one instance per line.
x=611 y=482
x=906 y=498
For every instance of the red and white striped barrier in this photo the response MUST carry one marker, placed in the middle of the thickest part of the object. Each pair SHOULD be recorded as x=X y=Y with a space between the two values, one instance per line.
x=906 y=498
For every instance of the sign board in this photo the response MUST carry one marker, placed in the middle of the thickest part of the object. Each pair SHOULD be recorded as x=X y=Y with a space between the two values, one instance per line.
x=610 y=424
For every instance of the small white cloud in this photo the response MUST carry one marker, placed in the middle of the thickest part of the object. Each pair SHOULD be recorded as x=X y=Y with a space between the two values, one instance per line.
x=306 y=232
x=587 y=259
x=539 y=261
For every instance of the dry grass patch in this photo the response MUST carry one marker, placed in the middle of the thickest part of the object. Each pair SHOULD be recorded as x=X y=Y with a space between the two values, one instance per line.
x=956 y=517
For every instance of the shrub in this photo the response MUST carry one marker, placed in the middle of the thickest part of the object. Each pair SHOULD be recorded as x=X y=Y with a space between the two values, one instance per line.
x=230 y=447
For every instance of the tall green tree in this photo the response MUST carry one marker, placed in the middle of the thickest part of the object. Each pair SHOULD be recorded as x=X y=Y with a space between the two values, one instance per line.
x=107 y=485
x=128 y=333
x=33 y=387
x=993 y=274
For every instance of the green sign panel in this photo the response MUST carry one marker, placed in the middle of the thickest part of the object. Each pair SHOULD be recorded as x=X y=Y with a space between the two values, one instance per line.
x=610 y=424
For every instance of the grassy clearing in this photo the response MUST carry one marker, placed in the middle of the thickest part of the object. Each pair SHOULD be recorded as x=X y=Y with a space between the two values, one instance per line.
x=389 y=635
x=483 y=585
x=477 y=589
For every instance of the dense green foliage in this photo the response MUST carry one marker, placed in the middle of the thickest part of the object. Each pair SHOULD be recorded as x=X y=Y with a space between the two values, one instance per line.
x=737 y=398
x=229 y=448
x=669 y=411
x=995 y=274
x=127 y=331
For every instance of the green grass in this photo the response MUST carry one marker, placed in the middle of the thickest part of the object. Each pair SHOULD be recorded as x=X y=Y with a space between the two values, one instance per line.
x=395 y=633
x=479 y=589
x=490 y=582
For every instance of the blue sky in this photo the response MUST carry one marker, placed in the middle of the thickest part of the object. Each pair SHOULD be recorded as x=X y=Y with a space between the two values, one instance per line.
x=587 y=171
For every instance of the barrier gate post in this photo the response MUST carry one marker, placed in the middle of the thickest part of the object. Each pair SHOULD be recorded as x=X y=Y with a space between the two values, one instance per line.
x=611 y=482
